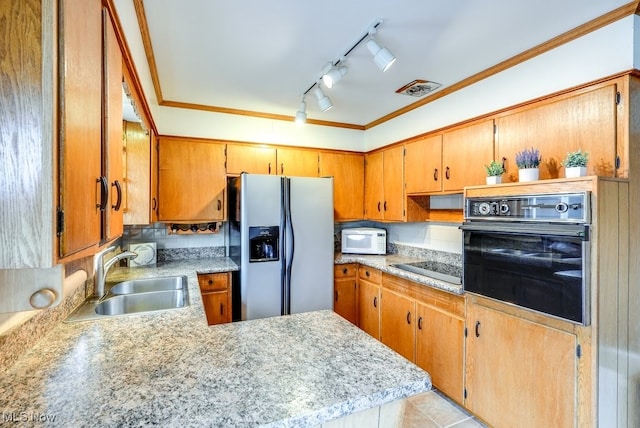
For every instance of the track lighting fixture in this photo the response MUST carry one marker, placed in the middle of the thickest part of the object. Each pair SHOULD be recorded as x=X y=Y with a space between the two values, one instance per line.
x=301 y=114
x=336 y=70
x=324 y=103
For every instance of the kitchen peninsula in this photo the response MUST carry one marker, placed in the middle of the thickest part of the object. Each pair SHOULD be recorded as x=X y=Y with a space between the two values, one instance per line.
x=170 y=368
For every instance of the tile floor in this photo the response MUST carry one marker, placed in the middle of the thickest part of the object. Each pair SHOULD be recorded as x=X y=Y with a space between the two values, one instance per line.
x=434 y=410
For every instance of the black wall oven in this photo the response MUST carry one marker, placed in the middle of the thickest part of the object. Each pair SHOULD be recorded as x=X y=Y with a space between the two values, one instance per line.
x=531 y=251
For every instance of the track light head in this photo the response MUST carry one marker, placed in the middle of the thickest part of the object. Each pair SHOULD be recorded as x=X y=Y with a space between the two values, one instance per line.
x=381 y=55
x=333 y=75
x=324 y=103
x=301 y=114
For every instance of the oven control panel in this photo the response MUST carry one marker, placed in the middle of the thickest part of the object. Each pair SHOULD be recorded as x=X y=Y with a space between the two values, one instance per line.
x=561 y=207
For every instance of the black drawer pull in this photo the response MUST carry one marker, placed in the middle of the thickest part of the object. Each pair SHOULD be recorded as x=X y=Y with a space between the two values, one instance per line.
x=477 y=328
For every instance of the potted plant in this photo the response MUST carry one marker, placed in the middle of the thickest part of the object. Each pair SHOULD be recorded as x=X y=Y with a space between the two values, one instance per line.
x=575 y=164
x=494 y=172
x=528 y=162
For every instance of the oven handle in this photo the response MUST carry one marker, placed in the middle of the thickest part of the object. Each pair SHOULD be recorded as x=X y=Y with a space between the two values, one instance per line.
x=536 y=229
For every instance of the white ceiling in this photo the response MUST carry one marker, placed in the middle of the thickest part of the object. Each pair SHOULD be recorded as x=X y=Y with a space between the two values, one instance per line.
x=260 y=56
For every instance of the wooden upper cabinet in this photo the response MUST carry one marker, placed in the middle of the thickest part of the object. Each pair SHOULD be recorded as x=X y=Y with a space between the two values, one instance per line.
x=112 y=130
x=465 y=151
x=384 y=184
x=80 y=112
x=252 y=159
x=347 y=170
x=139 y=157
x=297 y=162
x=423 y=165
x=192 y=181
x=586 y=120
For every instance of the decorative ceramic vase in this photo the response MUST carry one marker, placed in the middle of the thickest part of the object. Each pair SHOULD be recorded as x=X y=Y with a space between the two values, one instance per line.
x=528 y=174
x=494 y=179
x=575 y=171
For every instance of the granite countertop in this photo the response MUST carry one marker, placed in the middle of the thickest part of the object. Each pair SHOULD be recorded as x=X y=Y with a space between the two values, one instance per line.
x=384 y=263
x=170 y=368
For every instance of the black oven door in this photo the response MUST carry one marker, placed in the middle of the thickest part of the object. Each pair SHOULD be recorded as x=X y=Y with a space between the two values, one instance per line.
x=543 y=267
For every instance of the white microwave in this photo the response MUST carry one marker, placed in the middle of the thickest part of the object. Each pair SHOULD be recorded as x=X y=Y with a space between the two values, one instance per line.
x=364 y=240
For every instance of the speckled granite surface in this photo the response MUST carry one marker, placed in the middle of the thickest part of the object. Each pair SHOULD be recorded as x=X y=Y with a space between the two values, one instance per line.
x=384 y=263
x=171 y=369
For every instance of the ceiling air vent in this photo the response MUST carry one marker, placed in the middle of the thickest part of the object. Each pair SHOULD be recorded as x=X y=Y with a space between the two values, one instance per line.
x=418 y=88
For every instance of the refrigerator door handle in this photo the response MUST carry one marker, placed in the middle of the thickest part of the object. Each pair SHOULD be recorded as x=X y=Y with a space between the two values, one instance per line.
x=291 y=245
x=283 y=250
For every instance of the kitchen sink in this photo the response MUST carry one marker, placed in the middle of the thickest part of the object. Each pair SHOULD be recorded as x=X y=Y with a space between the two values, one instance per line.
x=146 y=285
x=142 y=302
x=134 y=297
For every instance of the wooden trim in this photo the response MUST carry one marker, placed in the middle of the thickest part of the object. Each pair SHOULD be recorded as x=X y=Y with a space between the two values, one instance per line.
x=148 y=48
x=584 y=29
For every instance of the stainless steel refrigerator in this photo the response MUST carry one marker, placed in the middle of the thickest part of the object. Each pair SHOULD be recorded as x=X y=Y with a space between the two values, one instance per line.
x=281 y=235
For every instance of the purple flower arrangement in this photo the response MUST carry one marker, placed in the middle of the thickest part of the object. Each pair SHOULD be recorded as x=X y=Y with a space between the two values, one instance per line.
x=528 y=158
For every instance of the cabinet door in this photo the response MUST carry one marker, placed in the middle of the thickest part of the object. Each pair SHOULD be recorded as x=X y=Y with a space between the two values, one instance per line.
x=347 y=171
x=393 y=183
x=585 y=121
x=440 y=349
x=373 y=186
x=137 y=149
x=397 y=318
x=345 y=298
x=369 y=307
x=297 y=163
x=519 y=371
x=112 y=131
x=217 y=307
x=251 y=159
x=465 y=151
x=154 y=207
x=422 y=163
x=80 y=110
x=191 y=180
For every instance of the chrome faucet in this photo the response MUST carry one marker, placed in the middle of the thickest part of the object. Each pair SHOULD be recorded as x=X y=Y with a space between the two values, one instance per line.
x=101 y=269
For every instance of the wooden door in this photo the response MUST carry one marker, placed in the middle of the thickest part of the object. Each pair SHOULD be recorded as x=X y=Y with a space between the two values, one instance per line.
x=585 y=121
x=191 y=180
x=423 y=164
x=369 y=307
x=112 y=131
x=397 y=320
x=519 y=371
x=154 y=205
x=297 y=162
x=393 y=183
x=251 y=159
x=347 y=171
x=138 y=154
x=440 y=349
x=345 y=298
x=217 y=307
x=465 y=151
x=373 y=186
x=80 y=110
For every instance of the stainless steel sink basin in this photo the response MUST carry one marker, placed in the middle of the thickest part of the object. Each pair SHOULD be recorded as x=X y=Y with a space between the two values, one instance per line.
x=142 y=302
x=146 y=285
x=136 y=296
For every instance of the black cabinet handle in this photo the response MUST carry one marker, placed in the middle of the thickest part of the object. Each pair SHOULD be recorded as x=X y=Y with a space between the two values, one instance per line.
x=269 y=167
x=375 y=302
x=477 y=328
x=409 y=317
x=104 y=192
x=447 y=173
x=420 y=323
x=385 y=205
x=118 y=203
x=154 y=204
x=378 y=206
x=219 y=204
x=367 y=273
x=435 y=174
x=344 y=271
x=221 y=309
x=504 y=163
x=282 y=169
x=335 y=295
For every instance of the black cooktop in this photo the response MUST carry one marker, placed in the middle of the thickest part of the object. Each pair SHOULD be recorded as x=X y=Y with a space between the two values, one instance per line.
x=437 y=270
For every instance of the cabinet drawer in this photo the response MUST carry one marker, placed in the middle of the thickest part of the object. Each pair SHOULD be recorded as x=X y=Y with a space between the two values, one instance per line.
x=213 y=281
x=344 y=271
x=370 y=274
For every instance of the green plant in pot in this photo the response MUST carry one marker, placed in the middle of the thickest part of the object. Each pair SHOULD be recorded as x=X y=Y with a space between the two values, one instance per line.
x=494 y=172
x=528 y=161
x=575 y=164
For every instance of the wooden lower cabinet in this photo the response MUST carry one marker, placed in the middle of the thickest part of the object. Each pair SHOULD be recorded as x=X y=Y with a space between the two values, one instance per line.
x=519 y=373
x=216 y=294
x=369 y=280
x=397 y=318
x=345 y=292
